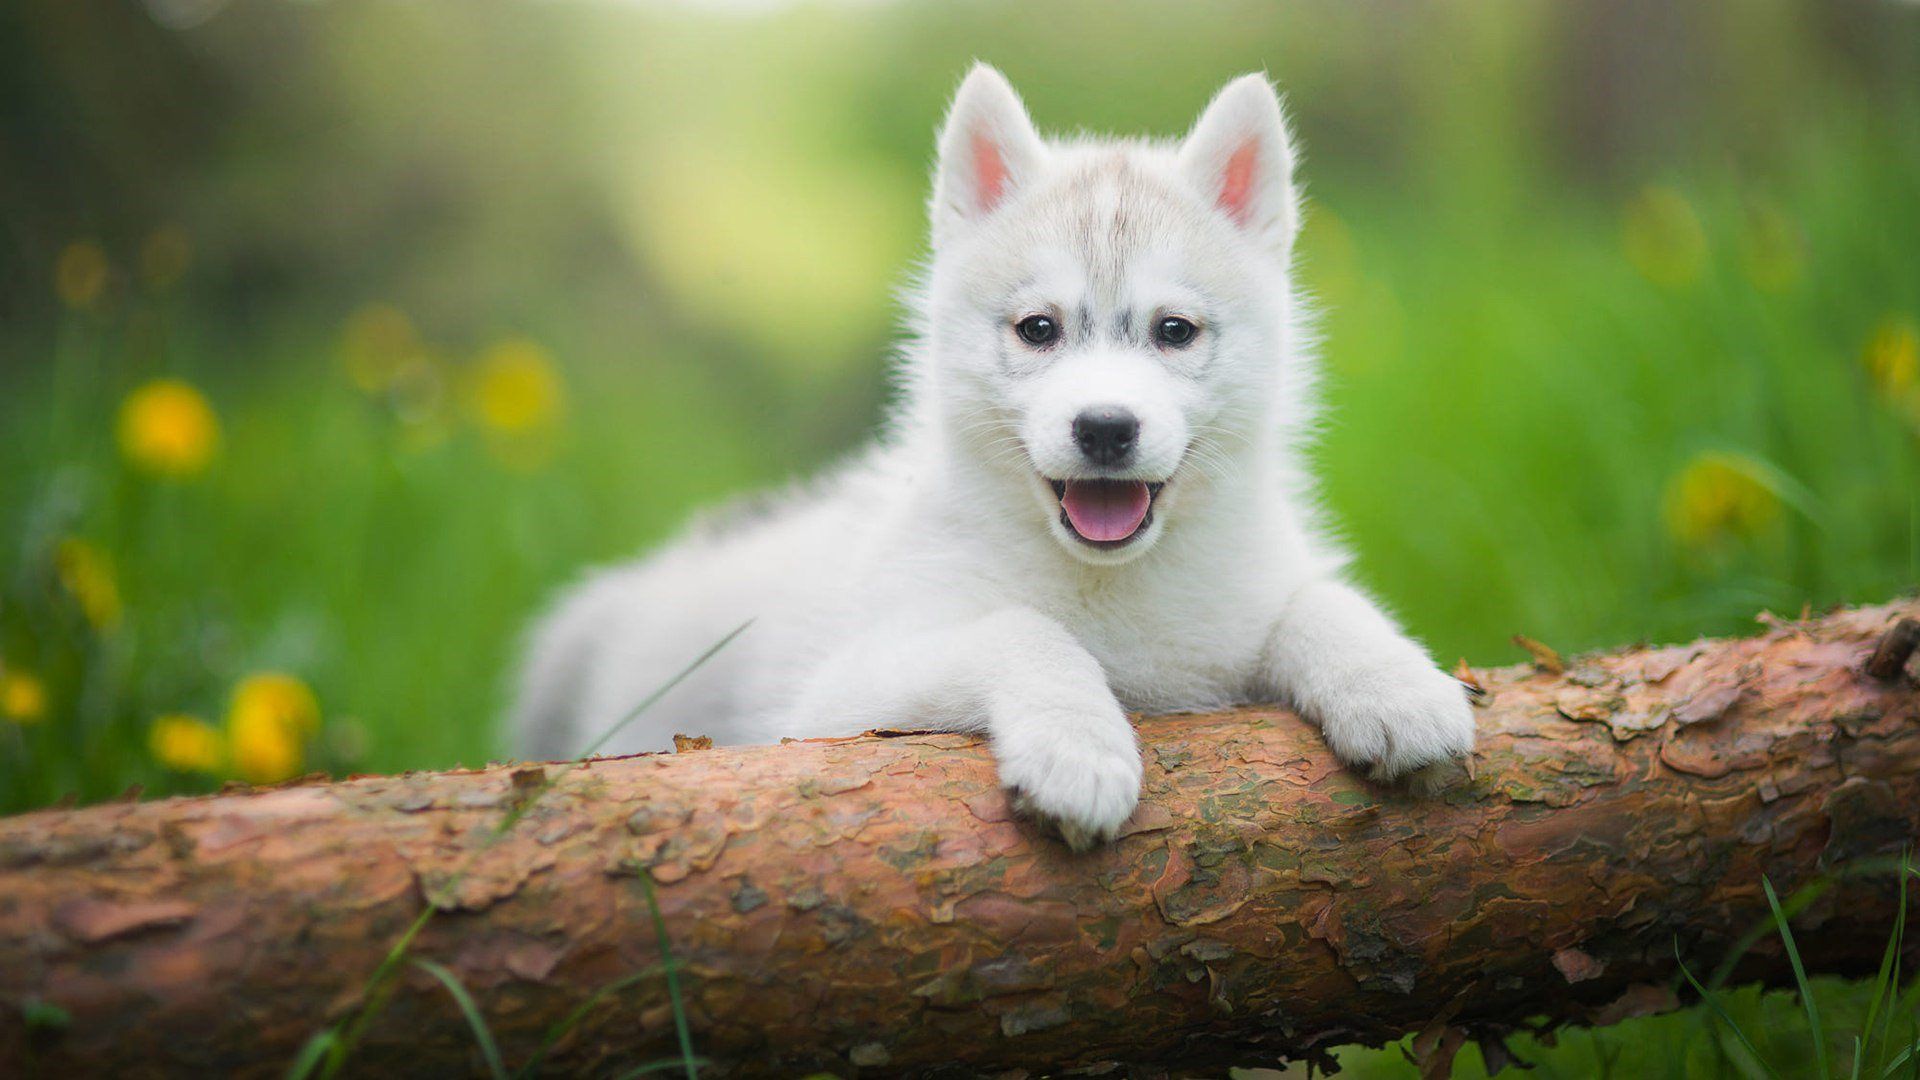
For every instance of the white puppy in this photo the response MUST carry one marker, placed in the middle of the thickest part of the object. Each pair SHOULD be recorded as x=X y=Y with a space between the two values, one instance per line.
x=1090 y=499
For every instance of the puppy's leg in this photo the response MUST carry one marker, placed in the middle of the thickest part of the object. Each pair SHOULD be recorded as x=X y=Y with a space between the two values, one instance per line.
x=1063 y=744
x=1380 y=701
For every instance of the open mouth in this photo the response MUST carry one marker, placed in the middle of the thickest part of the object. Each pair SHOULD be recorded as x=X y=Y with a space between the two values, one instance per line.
x=1106 y=513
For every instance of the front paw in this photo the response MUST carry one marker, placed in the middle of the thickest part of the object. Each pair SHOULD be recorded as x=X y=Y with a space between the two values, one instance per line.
x=1080 y=777
x=1400 y=720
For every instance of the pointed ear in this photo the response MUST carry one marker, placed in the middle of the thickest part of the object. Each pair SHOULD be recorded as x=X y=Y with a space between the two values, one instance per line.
x=1239 y=156
x=987 y=150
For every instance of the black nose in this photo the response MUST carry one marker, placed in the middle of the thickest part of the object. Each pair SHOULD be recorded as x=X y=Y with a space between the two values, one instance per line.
x=1106 y=435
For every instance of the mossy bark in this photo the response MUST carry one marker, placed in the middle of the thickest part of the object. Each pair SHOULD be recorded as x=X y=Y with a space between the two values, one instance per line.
x=870 y=905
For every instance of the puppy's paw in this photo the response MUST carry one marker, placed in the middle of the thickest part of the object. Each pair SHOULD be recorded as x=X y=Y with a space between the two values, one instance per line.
x=1080 y=778
x=1408 y=720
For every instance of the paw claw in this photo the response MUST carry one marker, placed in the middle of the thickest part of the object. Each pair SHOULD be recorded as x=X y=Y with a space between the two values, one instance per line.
x=1413 y=725
x=1077 y=836
x=1083 y=791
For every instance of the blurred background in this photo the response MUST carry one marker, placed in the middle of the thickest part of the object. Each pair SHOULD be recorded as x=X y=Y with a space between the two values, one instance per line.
x=336 y=335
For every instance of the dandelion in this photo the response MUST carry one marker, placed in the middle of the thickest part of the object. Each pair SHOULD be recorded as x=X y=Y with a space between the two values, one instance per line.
x=1663 y=237
x=379 y=339
x=264 y=752
x=186 y=743
x=268 y=723
x=23 y=697
x=1719 y=497
x=80 y=274
x=87 y=574
x=516 y=387
x=279 y=697
x=165 y=256
x=167 y=428
x=1892 y=359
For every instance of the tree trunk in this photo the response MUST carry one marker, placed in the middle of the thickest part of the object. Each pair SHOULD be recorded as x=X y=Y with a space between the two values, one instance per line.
x=869 y=905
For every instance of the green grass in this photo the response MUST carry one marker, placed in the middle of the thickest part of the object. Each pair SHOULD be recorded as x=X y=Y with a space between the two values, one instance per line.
x=1511 y=402
x=1516 y=389
x=1510 y=406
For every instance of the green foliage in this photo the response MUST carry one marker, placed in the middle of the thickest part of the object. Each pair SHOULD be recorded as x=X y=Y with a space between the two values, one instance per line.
x=1614 y=350
x=1589 y=394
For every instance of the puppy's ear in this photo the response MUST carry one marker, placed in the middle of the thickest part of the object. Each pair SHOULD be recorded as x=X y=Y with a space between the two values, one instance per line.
x=987 y=150
x=1240 y=158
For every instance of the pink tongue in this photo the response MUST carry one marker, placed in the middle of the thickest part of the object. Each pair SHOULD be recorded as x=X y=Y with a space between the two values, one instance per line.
x=1106 y=510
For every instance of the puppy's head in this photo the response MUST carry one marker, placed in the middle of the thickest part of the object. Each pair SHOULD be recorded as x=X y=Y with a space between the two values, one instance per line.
x=1106 y=318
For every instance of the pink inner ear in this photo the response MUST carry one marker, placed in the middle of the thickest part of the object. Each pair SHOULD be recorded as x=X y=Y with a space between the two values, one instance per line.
x=989 y=171
x=1236 y=185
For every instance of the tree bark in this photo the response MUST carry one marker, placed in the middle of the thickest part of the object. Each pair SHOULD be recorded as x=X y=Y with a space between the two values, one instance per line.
x=870 y=906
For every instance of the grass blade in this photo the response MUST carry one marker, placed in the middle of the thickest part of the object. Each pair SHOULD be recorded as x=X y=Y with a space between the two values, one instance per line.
x=336 y=1047
x=673 y=976
x=1913 y=1048
x=1908 y=1055
x=376 y=991
x=310 y=1054
x=1887 y=984
x=649 y=701
x=1818 y=1031
x=1713 y=1003
x=572 y=1020
x=1801 y=899
x=481 y=1033
x=524 y=806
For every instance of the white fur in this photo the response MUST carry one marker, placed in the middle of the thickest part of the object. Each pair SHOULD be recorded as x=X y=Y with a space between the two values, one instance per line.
x=931 y=582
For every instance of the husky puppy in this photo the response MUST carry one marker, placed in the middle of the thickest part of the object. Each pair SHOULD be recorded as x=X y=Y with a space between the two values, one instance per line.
x=1090 y=499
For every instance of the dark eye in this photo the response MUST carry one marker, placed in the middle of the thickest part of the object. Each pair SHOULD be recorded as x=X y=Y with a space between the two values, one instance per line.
x=1174 y=331
x=1039 y=330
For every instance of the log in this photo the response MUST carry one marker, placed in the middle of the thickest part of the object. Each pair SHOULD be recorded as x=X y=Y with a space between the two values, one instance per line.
x=869 y=906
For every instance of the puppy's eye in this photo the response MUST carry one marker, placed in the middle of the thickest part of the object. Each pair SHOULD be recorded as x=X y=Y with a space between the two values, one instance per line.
x=1038 y=330
x=1174 y=331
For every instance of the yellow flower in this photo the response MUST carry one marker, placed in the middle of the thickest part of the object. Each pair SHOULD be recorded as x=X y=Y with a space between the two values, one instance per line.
x=168 y=429
x=270 y=719
x=186 y=743
x=1663 y=237
x=264 y=751
x=80 y=274
x=87 y=574
x=23 y=697
x=280 y=697
x=1892 y=358
x=1718 y=497
x=379 y=339
x=165 y=255
x=516 y=388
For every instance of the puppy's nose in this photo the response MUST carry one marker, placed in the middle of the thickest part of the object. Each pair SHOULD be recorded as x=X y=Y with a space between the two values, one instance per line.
x=1106 y=434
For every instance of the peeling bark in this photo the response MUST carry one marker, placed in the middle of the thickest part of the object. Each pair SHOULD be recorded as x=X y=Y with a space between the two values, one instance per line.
x=871 y=906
